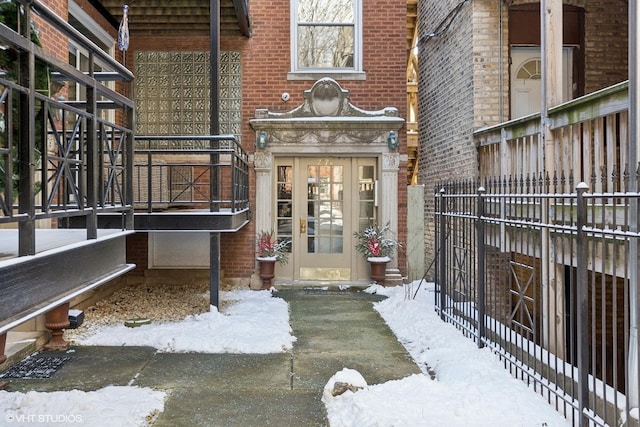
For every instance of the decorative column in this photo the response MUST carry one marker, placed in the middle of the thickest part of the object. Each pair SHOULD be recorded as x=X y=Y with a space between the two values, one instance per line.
x=263 y=165
x=57 y=320
x=389 y=197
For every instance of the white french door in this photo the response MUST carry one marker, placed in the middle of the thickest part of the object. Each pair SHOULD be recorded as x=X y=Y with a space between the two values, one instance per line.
x=319 y=203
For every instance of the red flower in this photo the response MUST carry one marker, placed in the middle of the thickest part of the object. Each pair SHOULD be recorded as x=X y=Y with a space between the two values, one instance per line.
x=374 y=247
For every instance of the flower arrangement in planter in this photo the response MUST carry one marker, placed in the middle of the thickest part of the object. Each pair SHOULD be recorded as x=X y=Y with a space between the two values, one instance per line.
x=269 y=247
x=377 y=248
x=374 y=243
x=270 y=250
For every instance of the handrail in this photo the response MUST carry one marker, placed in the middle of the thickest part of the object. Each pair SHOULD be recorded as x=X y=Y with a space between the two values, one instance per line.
x=60 y=160
x=190 y=171
x=588 y=141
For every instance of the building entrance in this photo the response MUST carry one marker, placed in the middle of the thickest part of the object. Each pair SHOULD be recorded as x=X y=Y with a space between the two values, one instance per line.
x=320 y=202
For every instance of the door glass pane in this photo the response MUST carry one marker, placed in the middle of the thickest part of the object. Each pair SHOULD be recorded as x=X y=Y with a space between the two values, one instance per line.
x=284 y=186
x=325 y=190
x=367 y=191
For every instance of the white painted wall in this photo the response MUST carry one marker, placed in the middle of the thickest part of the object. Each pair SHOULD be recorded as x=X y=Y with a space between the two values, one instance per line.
x=179 y=250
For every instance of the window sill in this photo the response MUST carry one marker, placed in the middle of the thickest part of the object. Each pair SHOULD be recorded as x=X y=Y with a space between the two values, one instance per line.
x=336 y=75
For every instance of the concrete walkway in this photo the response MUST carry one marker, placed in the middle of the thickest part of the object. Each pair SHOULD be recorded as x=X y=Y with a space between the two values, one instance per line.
x=334 y=330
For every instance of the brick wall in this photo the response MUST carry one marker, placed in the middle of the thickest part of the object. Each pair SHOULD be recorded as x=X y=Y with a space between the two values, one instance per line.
x=265 y=64
x=462 y=70
x=51 y=40
x=445 y=100
x=138 y=252
x=606 y=44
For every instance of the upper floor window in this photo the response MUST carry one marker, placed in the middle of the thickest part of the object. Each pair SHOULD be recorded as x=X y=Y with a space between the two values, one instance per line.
x=326 y=36
x=79 y=55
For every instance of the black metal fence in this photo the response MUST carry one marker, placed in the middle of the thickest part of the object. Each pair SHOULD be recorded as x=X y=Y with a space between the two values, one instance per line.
x=545 y=275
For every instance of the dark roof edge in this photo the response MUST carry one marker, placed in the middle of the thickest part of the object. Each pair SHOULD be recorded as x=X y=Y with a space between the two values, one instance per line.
x=105 y=13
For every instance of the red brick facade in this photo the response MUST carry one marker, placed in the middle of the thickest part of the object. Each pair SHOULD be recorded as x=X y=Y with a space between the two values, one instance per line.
x=265 y=63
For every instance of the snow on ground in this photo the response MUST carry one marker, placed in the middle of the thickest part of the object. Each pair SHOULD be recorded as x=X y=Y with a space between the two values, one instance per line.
x=253 y=322
x=471 y=388
x=108 y=407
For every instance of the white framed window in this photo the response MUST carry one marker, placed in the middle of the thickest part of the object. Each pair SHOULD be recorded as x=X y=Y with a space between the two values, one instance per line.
x=326 y=38
x=79 y=56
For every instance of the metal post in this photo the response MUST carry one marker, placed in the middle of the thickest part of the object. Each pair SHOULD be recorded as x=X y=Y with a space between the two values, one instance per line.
x=214 y=108
x=214 y=129
x=582 y=305
x=150 y=182
x=633 y=370
x=128 y=158
x=214 y=263
x=443 y=256
x=481 y=268
x=93 y=151
x=26 y=143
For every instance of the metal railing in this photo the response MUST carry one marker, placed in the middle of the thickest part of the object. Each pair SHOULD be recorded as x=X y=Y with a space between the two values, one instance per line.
x=210 y=172
x=61 y=159
x=542 y=278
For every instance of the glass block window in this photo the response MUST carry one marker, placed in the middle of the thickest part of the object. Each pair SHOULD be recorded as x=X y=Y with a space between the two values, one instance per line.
x=172 y=93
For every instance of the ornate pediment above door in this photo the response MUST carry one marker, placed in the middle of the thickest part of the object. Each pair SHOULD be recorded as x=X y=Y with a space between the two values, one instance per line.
x=325 y=117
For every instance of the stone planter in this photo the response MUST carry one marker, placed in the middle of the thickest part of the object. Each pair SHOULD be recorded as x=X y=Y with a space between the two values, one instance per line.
x=57 y=320
x=378 y=268
x=267 y=270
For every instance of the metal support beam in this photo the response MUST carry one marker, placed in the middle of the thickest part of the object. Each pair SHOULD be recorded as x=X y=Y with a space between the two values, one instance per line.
x=442 y=276
x=26 y=143
x=214 y=123
x=482 y=252
x=214 y=49
x=633 y=374
x=582 y=306
x=214 y=264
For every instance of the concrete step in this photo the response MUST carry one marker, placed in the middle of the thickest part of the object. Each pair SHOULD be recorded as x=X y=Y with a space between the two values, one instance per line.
x=393 y=277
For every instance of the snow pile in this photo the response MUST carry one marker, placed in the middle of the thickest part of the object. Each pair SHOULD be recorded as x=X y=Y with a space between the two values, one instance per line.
x=254 y=323
x=108 y=407
x=347 y=379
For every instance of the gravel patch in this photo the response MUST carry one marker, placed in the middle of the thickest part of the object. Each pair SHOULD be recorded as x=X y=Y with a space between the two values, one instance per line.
x=159 y=303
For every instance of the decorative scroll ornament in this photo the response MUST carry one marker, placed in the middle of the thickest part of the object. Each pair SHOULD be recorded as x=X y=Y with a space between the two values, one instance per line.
x=263 y=160
x=123 y=30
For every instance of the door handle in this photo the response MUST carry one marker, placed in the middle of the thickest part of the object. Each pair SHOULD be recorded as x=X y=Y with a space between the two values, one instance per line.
x=303 y=226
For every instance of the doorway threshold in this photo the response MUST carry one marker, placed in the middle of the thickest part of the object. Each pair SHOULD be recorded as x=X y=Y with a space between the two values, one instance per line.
x=323 y=285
